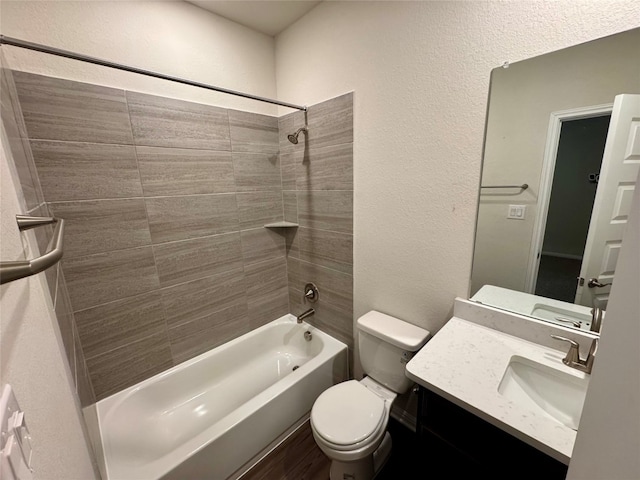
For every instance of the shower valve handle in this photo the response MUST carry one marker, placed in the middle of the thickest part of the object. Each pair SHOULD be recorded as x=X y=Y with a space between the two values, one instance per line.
x=311 y=292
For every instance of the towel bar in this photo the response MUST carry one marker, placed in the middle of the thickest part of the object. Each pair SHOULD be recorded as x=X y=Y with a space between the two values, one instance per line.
x=524 y=186
x=10 y=271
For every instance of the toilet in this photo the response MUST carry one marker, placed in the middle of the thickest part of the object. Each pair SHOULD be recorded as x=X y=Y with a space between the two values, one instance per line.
x=349 y=420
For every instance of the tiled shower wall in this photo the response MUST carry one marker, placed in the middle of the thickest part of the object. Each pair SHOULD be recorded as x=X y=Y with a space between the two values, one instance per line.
x=317 y=184
x=166 y=255
x=33 y=204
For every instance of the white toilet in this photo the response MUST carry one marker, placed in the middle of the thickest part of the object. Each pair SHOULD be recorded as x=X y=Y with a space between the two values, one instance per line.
x=349 y=420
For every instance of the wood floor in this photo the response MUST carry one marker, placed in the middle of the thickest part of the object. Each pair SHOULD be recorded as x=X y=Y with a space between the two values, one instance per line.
x=299 y=458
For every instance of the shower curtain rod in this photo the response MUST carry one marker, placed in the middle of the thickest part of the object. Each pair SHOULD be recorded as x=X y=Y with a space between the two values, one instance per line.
x=96 y=61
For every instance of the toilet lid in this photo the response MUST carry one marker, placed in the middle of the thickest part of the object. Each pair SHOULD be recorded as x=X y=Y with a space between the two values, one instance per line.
x=347 y=413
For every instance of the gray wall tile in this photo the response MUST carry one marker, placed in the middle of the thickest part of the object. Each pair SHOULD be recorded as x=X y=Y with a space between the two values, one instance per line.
x=252 y=132
x=288 y=124
x=79 y=171
x=326 y=210
x=18 y=141
x=265 y=277
x=187 y=260
x=65 y=317
x=177 y=171
x=334 y=311
x=267 y=291
x=256 y=171
x=335 y=287
x=84 y=388
x=116 y=324
x=261 y=244
x=96 y=226
x=57 y=109
x=166 y=122
x=290 y=200
x=326 y=168
x=256 y=209
x=268 y=308
x=288 y=160
x=193 y=338
x=331 y=122
x=213 y=272
x=43 y=236
x=191 y=216
x=329 y=318
x=52 y=275
x=199 y=298
x=325 y=248
x=125 y=366
x=105 y=277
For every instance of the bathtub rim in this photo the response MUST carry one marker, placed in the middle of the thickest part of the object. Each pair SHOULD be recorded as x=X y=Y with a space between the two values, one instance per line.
x=101 y=410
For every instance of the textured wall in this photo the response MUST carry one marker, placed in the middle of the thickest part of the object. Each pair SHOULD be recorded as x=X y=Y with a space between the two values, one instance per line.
x=420 y=71
x=31 y=343
x=170 y=37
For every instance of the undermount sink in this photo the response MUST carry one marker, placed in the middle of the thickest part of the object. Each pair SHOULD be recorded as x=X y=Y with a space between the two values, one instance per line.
x=541 y=388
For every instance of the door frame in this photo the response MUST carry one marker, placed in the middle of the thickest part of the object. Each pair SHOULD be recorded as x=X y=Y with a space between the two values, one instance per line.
x=546 y=180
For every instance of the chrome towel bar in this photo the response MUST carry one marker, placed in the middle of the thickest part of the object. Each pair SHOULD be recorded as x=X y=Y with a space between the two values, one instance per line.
x=524 y=186
x=10 y=271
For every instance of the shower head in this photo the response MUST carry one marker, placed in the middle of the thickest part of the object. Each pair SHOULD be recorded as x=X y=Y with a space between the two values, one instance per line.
x=293 y=138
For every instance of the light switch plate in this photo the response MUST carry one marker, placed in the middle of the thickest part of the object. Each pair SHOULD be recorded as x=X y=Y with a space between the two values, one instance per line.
x=517 y=212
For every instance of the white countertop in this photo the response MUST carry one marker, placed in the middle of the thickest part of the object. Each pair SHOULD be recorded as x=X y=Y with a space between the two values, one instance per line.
x=464 y=363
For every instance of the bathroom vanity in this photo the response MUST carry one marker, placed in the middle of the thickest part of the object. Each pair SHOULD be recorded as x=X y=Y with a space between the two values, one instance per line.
x=495 y=397
x=471 y=445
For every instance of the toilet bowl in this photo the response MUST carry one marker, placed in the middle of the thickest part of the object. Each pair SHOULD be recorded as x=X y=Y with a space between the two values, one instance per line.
x=349 y=420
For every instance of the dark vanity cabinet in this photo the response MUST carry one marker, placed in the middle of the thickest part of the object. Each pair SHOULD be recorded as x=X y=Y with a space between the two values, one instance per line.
x=464 y=445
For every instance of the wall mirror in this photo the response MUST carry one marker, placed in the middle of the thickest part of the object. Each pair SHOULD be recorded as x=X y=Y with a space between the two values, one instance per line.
x=561 y=158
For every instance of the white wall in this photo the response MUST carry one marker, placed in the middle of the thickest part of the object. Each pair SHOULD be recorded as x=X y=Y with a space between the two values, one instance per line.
x=31 y=354
x=420 y=72
x=608 y=441
x=173 y=38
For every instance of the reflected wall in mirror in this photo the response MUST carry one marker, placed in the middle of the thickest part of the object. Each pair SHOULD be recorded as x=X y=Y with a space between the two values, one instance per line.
x=563 y=147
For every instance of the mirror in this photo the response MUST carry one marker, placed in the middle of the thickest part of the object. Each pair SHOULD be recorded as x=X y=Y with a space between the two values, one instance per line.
x=552 y=202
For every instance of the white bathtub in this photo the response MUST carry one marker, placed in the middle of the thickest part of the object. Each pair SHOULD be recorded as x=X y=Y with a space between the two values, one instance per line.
x=208 y=417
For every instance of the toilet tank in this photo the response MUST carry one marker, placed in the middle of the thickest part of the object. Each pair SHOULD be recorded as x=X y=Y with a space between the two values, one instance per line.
x=385 y=346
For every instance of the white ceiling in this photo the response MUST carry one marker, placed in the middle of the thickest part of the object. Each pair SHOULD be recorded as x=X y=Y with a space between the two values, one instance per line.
x=266 y=16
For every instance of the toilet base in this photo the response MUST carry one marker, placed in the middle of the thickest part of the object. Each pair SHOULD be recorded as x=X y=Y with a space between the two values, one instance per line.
x=364 y=469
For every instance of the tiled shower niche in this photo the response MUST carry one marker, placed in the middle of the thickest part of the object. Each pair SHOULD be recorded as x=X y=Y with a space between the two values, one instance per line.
x=166 y=254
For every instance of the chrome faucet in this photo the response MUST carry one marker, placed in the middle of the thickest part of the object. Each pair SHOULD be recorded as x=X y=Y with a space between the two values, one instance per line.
x=305 y=314
x=573 y=359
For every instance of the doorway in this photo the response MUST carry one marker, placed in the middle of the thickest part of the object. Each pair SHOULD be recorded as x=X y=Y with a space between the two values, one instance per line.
x=573 y=189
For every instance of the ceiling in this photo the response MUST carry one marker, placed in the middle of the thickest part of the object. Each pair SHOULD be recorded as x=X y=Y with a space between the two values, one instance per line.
x=266 y=16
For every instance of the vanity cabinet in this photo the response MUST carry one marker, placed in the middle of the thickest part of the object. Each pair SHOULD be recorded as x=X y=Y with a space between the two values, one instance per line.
x=468 y=445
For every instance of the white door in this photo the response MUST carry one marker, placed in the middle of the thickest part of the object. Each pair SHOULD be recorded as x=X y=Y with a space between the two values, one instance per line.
x=618 y=174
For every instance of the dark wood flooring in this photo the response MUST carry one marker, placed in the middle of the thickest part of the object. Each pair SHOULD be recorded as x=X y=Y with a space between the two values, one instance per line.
x=299 y=458
x=557 y=278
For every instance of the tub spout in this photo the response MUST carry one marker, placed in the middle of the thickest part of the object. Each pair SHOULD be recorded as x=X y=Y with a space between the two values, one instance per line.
x=305 y=314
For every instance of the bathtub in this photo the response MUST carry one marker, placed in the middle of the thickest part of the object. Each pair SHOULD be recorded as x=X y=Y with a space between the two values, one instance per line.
x=212 y=416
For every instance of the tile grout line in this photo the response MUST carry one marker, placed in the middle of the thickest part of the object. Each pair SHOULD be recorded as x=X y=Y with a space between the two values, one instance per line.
x=146 y=211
